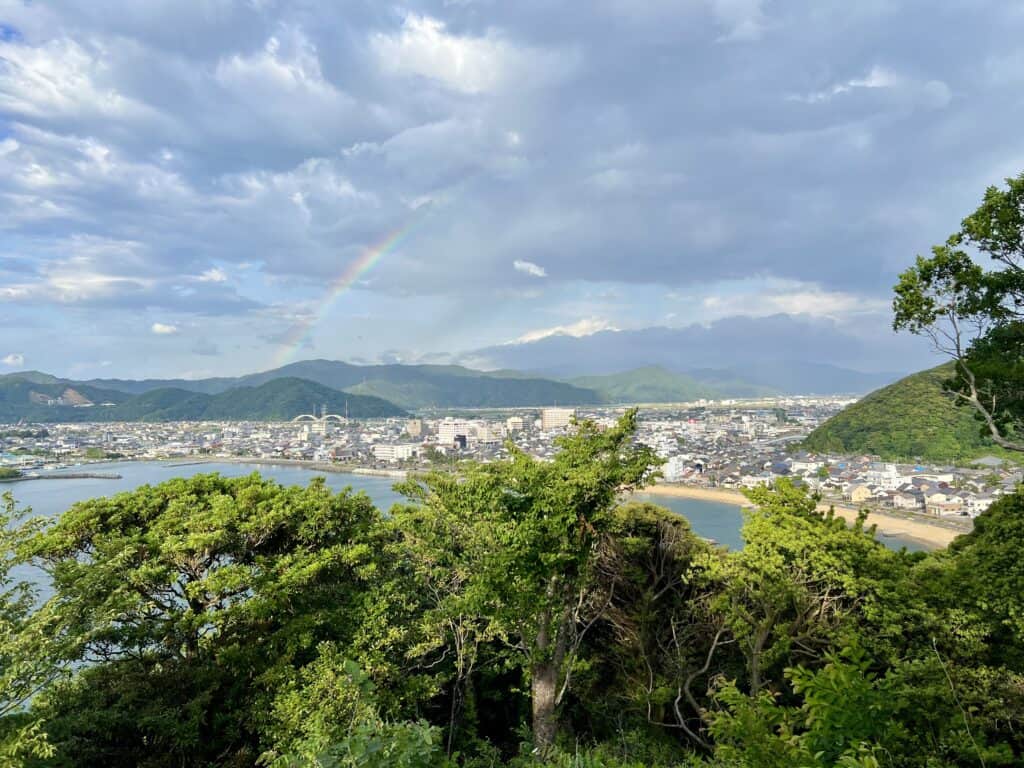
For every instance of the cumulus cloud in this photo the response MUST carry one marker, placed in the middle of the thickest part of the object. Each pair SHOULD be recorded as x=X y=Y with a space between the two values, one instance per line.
x=529 y=268
x=789 y=297
x=585 y=327
x=213 y=275
x=62 y=79
x=163 y=329
x=928 y=93
x=13 y=360
x=425 y=48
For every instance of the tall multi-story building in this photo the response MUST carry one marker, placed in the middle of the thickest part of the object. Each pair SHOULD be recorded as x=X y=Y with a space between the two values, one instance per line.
x=414 y=427
x=556 y=418
x=449 y=429
x=514 y=424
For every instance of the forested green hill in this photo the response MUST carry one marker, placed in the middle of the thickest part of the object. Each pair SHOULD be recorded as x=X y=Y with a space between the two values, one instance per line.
x=26 y=396
x=409 y=386
x=912 y=418
x=276 y=400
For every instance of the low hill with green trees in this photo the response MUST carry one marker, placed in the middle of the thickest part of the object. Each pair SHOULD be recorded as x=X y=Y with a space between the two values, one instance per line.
x=25 y=395
x=276 y=400
x=408 y=386
x=912 y=419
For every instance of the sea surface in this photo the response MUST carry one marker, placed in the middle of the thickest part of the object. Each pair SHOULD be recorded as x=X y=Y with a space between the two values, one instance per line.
x=710 y=519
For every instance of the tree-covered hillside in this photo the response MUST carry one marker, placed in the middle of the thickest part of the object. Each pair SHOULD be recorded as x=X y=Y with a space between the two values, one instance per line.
x=913 y=418
x=408 y=386
x=276 y=400
x=25 y=396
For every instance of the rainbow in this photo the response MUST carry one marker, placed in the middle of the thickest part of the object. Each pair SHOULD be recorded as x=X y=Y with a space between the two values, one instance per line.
x=300 y=333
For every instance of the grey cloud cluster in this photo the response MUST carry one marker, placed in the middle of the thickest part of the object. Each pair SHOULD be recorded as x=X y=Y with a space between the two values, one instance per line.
x=148 y=149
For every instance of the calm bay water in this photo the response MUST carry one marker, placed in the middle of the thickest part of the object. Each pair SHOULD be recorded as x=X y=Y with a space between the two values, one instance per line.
x=52 y=497
x=712 y=520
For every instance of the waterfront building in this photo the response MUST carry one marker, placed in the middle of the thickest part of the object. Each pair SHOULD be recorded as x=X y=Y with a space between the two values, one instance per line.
x=396 y=452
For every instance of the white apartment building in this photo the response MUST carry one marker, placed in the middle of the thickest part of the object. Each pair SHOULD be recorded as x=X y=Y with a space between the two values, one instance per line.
x=448 y=429
x=556 y=418
x=885 y=476
x=514 y=424
x=396 y=452
x=675 y=469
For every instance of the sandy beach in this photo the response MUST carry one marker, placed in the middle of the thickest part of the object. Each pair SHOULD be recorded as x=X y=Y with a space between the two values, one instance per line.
x=932 y=535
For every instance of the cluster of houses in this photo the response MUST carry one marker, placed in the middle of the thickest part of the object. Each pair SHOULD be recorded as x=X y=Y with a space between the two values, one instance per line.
x=942 y=491
x=939 y=491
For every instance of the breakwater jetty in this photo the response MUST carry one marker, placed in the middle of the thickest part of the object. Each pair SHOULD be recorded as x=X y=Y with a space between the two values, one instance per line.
x=65 y=476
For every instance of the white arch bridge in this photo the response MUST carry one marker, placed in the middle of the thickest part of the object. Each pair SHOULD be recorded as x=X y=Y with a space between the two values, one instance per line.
x=320 y=419
x=323 y=417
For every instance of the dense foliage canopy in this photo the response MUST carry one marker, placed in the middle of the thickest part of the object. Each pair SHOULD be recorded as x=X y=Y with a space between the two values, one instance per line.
x=521 y=612
x=975 y=314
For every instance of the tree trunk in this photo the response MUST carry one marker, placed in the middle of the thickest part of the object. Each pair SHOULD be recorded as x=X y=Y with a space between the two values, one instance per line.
x=544 y=689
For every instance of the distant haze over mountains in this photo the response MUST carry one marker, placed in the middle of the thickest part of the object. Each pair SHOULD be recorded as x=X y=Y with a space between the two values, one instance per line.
x=784 y=352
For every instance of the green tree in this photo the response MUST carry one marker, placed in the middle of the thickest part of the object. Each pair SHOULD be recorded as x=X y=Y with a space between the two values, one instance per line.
x=329 y=717
x=26 y=664
x=188 y=602
x=528 y=531
x=974 y=314
x=844 y=712
x=653 y=649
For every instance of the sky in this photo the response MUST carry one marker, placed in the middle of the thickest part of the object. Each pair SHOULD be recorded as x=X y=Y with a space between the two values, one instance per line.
x=223 y=186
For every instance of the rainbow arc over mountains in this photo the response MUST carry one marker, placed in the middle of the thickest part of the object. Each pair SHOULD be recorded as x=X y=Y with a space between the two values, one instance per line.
x=300 y=334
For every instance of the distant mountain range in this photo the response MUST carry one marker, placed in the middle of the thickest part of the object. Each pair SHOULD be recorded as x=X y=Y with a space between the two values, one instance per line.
x=390 y=390
x=911 y=419
x=408 y=386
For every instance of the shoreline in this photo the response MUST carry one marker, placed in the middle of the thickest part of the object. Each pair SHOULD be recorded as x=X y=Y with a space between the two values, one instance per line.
x=928 y=534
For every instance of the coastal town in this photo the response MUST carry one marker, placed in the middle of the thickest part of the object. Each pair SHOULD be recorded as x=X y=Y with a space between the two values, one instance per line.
x=723 y=446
